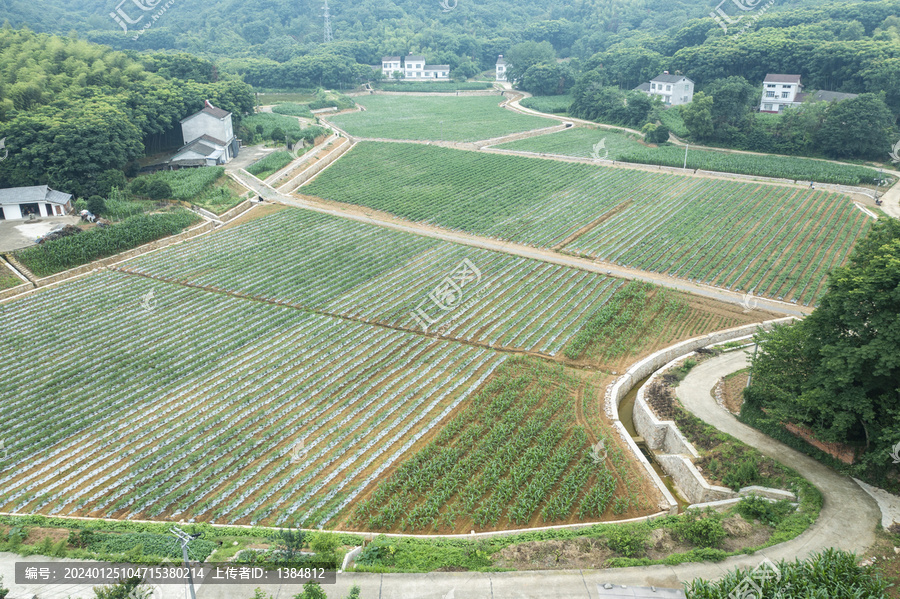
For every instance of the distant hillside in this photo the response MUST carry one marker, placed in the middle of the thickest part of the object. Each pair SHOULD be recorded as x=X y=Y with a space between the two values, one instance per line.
x=282 y=29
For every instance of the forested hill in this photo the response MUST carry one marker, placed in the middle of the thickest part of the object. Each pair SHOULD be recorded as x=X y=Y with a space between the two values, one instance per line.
x=282 y=29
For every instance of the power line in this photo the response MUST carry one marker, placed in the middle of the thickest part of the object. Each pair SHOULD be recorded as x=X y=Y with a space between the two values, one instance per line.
x=328 y=36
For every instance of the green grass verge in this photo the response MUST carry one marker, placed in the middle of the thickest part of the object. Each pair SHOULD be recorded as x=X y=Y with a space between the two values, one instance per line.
x=55 y=256
x=293 y=109
x=272 y=163
x=549 y=104
x=8 y=278
x=580 y=142
x=462 y=118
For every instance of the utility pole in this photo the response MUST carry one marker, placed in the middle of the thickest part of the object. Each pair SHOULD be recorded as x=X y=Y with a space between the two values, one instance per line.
x=185 y=538
x=686 y=146
x=328 y=36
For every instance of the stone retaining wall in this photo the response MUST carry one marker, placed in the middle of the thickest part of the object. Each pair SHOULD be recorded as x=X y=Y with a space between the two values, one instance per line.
x=317 y=167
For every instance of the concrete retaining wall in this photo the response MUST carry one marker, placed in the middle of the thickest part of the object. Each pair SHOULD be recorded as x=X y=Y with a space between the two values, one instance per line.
x=236 y=211
x=12 y=291
x=690 y=482
x=317 y=167
x=641 y=369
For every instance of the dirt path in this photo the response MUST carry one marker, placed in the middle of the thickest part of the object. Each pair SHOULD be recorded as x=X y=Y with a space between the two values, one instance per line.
x=373 y=217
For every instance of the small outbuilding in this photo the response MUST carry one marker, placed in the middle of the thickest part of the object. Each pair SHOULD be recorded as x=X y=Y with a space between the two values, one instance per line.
x=17 y=203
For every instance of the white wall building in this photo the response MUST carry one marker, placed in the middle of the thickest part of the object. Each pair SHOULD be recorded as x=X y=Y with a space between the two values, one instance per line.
x=414 y=68
x=673 y=90
x=780 y=91
x=209 y=138
x=391 y=65
x=501 y=68
x=19 y=202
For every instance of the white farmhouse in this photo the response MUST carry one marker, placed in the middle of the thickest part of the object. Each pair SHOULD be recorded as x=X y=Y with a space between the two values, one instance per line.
x=209 y=137
x=780 y=91
x=501 y=68
x=21 y=202
x=414 y=68
x=673 y=90
x=390 y=65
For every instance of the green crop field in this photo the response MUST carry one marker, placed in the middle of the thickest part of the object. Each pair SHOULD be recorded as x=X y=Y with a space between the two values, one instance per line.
x=506 y=305
x=581 y=142
x=772 y=240
x=272 y=371
x=435 y=118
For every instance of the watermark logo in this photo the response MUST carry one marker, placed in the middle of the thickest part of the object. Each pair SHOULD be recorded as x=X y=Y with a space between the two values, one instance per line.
x=6 y=451
x=751 y=587
x=448 y=295
x=298 y=451
x=721 y=16
x=445 y=4
x=598 y=452
x=749 y=302
x=146 y=591
x=894 y=454
x=125 y=18
x=5 y=152
x=600 y=145
x=895 y=152
x=148 y=301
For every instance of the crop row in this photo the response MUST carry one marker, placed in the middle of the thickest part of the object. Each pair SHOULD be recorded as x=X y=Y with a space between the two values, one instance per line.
x=505 y=301
x=210 y=405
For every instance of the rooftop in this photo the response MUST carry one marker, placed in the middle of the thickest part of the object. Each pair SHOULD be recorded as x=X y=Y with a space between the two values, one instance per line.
x=776 y=78
x=36 y=193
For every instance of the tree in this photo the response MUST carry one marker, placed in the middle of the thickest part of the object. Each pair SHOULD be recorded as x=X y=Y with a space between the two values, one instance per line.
x=96 y=205
x=547 y=79
x=158 y=189
x=656 y=134
x=290 y=543
x=837 y=371
x=523 y=56
x=311 y=590
x=698 y=116
x=277 y=134
x=860 y=127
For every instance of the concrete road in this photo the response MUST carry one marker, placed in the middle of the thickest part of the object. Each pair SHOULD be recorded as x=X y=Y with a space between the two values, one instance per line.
x=849 y=515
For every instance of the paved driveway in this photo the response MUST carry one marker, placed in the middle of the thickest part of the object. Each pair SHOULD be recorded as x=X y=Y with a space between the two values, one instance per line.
x=17 y=234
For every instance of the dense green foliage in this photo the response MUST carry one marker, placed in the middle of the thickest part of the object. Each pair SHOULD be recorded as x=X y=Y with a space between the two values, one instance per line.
x=463 y=118
x=156 y=545
x=832 y=573
x=836 y=372
x=75 y=114
x=57 y=255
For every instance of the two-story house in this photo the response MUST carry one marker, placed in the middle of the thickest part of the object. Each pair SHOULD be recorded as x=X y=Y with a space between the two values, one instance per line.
x=391 y=65
x=780 y=91
x=211 y=135
x=673 y=90
x=414 y=68
x=501 y=68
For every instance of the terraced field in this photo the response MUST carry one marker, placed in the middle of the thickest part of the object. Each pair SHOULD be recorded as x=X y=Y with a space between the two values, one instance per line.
x=210 y=407
x=448 y=118
x=395 y=279
x=773 y=240
x=276 y=371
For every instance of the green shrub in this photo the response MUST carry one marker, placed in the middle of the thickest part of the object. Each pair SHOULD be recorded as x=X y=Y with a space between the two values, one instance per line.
x=746 y=472
x=770 y=513
x=138 y=187
x=158 y=189
x=630 y=541
x=96 y=205
x=702 y=530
